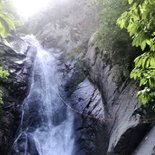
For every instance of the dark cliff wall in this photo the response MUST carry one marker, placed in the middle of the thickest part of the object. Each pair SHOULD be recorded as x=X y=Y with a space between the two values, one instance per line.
x=14 y=88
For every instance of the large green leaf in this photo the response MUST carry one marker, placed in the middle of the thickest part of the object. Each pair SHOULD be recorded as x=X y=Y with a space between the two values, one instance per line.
x=140 y=25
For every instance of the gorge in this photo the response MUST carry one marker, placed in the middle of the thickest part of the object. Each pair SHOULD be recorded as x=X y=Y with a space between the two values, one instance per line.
x=66 y=96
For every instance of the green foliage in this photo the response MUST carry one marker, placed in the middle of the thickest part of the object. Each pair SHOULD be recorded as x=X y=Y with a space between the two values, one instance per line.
x=4 y=75
x=109 y=33
x=139 y=21
x=7 y=21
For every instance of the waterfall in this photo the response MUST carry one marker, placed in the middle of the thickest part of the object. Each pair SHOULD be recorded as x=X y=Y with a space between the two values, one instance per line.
x=46 y=124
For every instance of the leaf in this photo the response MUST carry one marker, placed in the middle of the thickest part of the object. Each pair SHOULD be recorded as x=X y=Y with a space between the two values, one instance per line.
x=152 y=61
x=140 y=19
x=9 y=20
x=143 y=45
x=3 y=31
x=130 y=1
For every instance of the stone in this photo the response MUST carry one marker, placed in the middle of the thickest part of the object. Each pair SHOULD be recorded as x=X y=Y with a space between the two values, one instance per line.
x=109 y=74
x=147 y=146
x=14 y=89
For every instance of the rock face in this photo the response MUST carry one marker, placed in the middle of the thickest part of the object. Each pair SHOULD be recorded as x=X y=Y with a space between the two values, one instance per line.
x=14 y=88
x=84 y=99
x=148 y=144
x=111 y=75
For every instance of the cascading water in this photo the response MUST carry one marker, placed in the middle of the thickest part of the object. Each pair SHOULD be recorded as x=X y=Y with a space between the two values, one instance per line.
x=46 y=125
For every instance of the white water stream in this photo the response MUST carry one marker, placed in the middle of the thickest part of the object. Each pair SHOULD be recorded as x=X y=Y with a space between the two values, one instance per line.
x=46 y=125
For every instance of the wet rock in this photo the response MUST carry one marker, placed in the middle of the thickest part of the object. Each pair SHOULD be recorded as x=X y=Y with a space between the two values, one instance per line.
x=25 y=141
x=84 y=99
x=14 y=89
x=87 y=100
x=90 y=135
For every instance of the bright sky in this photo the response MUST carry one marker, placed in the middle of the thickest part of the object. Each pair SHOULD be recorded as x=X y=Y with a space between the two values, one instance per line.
x=27 y=8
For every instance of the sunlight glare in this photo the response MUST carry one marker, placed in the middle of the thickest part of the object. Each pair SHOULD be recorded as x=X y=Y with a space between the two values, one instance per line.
x=28 y=8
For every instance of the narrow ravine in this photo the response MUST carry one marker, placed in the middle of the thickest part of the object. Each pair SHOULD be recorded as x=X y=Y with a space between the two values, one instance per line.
x=46 y=124
x=69 y=77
